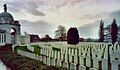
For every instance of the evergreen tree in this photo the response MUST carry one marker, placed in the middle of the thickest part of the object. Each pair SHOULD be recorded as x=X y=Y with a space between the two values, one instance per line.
x=114 y=31
x=73 y=36
x=101 y=31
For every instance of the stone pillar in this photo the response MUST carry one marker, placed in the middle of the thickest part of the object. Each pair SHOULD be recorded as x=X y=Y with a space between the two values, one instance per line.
x=0 y=38
x=8 y=37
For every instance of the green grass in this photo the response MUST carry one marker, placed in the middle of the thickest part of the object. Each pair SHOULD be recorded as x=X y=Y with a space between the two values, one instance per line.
x=23 y=48
x=36 y=49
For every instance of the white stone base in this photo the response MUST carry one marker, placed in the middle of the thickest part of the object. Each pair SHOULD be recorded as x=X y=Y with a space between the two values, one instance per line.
x=1 y=44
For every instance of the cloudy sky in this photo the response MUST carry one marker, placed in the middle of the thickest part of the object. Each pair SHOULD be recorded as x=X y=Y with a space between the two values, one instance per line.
x=43 y=16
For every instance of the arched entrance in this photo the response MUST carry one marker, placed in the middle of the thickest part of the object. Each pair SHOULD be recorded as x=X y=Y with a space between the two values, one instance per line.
x=13 y=35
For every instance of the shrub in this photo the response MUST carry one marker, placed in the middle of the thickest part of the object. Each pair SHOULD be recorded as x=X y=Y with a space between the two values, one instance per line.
x=72 y=36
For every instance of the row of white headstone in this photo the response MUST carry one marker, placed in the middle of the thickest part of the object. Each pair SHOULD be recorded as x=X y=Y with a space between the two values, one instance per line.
x=69 y=58
x=54 y=62
x=49 y=61
x=97 y=52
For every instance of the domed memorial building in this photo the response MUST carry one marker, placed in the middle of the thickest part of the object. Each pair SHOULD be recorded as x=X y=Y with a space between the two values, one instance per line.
x=9 y=28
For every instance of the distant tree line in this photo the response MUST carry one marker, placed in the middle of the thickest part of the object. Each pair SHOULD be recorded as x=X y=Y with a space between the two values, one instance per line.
x=72 y=35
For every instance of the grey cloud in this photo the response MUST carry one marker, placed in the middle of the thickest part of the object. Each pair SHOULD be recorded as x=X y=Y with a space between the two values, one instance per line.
x=62 y=3
x=87 y=17
x=116 y=15
x=39 y=27
x=89 y=30
x=35 y=12
x=31 y=6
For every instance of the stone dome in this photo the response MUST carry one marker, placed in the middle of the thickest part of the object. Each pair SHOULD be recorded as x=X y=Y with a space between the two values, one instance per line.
x=6 y=17
x=6 y=14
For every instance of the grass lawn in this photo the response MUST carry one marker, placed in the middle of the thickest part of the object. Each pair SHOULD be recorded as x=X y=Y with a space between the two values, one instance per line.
x=23 y=48
x=36 y=49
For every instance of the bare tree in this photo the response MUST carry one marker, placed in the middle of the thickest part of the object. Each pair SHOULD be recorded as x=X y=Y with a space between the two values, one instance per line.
x=60 y=33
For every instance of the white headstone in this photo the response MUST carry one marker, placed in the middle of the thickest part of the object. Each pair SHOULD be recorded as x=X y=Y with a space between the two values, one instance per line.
x=76 y=51
x=65 y=64
x=44 y=59
x=81 y=60
x=72 y=51
x=59 y=63
x=70 y=57
x=114 y=65
x=62 y=56
x=49 y=54
x=58 y=56
x=75 y=59
x=81 y=67
x=69 y=50
x=104 y=64
x=88 y=61
x=66 y=57
x=41 y=51
x=73 y=66
x=53 y=61
x=48 y=61
x=105 y=55
x=55 y=54
x=52 y=54
x=96 y=63
x=45 y=50
x=37 y=57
